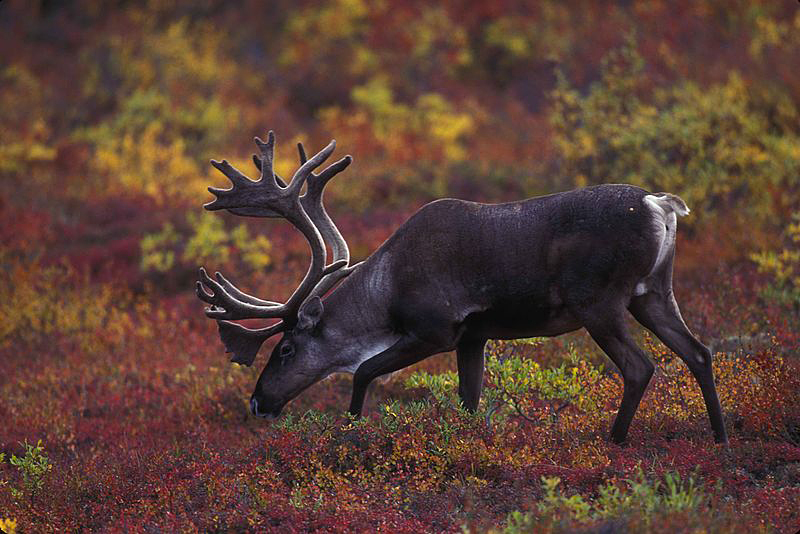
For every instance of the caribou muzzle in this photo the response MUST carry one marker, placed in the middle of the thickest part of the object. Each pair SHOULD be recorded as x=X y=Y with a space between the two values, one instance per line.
x=264 y=409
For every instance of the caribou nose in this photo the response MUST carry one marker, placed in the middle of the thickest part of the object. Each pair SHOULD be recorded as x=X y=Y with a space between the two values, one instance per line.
x=263 y=408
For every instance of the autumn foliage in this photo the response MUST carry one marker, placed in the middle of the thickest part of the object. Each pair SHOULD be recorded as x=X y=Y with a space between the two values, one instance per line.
x=119 y=411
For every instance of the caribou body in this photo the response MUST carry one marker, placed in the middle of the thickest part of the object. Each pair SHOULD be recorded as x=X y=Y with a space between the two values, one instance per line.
x=454 y=275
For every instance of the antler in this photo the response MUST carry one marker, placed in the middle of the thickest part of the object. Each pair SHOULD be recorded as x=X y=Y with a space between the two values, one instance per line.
x=267 y=193
x=313 y=205
x=271 y=197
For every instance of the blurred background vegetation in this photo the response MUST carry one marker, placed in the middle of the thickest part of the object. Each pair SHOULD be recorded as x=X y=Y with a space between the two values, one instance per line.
x=109 y=114
x=110 y=111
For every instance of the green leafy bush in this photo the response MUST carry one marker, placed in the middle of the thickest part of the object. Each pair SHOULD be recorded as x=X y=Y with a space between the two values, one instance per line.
x=33 y=467
x=203 y=239
x=645 y=499
x=519 y=386
x=727 y=147
x=109 y=113
x=783 y=266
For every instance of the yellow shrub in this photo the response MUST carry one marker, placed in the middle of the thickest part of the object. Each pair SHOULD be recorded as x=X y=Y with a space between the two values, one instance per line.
x=38 y=303
x=783 y=265
x=9 y=526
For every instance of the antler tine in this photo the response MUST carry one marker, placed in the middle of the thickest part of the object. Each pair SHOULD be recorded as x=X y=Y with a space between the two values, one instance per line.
x=227 y=302
x=234 y=175
x=265 y=197
x=281 y=182
x=270 y=197
x=313 y=204
x=267 y=155
x=226 y=306
x=234 y=291
x=305 y=170
x=309 y=225
x=260 y=211
x=278 y=179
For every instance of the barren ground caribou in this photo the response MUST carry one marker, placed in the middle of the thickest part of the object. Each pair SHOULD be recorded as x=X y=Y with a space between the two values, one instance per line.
x=454 y=275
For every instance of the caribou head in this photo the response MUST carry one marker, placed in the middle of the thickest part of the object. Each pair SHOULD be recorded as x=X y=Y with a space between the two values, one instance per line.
x=289 y=370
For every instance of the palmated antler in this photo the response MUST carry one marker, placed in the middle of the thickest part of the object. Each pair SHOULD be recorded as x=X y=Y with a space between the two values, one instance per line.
x=271 y=197
x=313 y=205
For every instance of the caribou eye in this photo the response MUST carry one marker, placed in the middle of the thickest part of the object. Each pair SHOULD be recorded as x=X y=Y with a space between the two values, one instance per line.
x=286 y=350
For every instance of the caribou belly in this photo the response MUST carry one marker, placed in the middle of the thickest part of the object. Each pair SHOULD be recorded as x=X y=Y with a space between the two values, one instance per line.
x=520 y=322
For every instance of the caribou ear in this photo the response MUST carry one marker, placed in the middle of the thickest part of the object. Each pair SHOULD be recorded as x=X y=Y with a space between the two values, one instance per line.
x=310 y=313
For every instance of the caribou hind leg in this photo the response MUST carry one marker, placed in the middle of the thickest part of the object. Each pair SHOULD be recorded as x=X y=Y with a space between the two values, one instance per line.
x=660 y=314
x=609 y=331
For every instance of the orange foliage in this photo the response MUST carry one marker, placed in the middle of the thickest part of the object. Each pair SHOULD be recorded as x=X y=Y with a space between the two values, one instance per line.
x=108 y=117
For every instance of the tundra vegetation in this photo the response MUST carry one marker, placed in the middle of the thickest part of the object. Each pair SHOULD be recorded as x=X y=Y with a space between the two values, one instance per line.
x=119 y=411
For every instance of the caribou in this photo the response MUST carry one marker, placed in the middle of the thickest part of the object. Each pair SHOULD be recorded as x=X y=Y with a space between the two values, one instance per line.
x=454 y=275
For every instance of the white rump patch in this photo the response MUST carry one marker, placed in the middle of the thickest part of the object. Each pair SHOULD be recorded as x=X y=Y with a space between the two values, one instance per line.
x=665 y=208
x=668 y=202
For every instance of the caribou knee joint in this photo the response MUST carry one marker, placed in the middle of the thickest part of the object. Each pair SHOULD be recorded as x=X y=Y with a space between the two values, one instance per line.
x=640 y=376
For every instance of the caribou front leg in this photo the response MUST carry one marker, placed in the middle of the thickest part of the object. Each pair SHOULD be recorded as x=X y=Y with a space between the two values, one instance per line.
x=470 y=371
x=408 y=350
